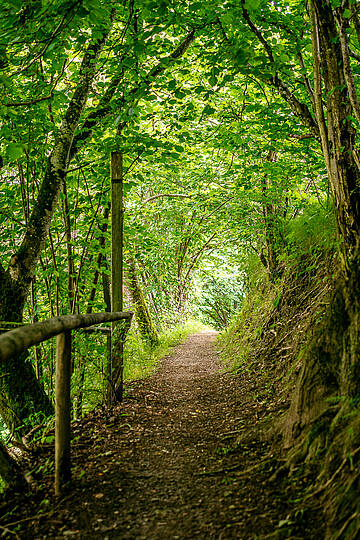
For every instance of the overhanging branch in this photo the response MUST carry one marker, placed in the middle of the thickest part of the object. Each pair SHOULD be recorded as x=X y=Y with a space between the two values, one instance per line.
x=104 y=108
x=23 y=263
x=161 y=195
x=300 y=109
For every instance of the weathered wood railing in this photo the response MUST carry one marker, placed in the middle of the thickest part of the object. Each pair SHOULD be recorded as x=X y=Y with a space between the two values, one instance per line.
x=18 y=340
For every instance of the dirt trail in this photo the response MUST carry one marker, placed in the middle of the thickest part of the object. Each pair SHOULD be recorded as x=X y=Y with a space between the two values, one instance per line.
x=168 y=463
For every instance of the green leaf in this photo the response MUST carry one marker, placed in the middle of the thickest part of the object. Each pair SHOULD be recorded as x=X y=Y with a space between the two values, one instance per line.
x=199 y=89
x=208 y=110
x=347 y=13
x=14 y=151
x=252 y=4
x=242 y=57
x=17 y=4
x=127 y=187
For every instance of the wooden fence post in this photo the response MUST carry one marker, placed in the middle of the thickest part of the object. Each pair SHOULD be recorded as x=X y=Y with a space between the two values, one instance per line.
x=62 y=411
x=117 y=219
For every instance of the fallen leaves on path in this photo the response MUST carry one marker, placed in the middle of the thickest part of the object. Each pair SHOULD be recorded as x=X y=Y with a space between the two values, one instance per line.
x=180 y=458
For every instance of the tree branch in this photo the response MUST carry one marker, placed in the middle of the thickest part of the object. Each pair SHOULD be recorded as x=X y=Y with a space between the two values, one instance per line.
x=302 y=136
x=104 y=108
x=38 y=100
x=9 y=216
x=26 y=103
x=347 y=68
x=23 y=263
x=55 y=32
x=196 y=257
x=306 y=80
x=319 y=111
x=216 y=209
x=159 y=195
x=300 y=109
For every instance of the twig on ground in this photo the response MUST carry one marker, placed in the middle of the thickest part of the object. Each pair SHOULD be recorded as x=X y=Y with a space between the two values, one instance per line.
x=230 y=433
x=24 y=520
x=8 y=531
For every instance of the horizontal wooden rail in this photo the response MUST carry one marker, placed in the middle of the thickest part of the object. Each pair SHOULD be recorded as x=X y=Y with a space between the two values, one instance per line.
x=16 y=341
x=96 y=330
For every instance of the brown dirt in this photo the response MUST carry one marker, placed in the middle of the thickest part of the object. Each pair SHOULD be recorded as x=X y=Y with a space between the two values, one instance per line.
x=171 y=462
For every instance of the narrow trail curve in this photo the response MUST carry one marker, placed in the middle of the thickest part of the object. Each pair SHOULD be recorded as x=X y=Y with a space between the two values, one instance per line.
x=166 y=464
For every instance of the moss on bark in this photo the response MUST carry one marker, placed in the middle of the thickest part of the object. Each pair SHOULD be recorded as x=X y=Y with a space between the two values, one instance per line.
x=322 y=427
x=10 y=471
x=142 y=313
x=23 y=401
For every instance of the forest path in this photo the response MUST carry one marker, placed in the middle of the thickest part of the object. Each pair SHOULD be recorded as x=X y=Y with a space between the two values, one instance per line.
x=168 y=464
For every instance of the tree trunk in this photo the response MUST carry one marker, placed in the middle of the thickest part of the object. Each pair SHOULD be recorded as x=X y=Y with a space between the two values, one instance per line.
x=324 y=416
x=21 y=396
x=142 y=313
x=338 y=145
x=339 y=150
x=10 y=472
x=271 y=228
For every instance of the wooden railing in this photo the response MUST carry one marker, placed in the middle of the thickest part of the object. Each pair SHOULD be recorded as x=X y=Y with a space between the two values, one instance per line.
x=18 y=340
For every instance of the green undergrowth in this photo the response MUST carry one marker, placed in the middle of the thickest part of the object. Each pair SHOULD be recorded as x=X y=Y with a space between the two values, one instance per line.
x=275 y=317
x=140 y=360
x=270 y=336
x=242 y=337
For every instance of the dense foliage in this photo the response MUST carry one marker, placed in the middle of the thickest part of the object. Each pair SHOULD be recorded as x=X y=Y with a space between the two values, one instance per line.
x=238 y=124
x=202 y=150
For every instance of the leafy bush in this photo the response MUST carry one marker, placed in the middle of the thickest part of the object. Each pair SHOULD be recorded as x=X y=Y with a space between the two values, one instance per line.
x=220 y=299
x=313 y=230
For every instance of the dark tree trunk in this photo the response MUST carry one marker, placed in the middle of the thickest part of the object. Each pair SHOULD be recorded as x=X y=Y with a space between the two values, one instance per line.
x=21 y=394
x=271 y=228
x=338 y=145
x=10 y=471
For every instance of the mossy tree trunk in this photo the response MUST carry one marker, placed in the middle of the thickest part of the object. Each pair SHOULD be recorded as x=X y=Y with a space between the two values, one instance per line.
x=273 y=238
x=336 y=344
x=10 y=472
x=21 y=395
x=324 y=418
x=143 y=318
x=337 y=136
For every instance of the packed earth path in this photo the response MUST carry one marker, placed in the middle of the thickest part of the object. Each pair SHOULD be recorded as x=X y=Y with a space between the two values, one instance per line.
x=179 y=458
